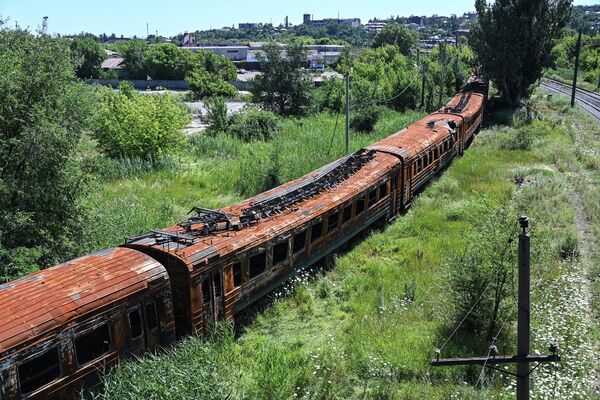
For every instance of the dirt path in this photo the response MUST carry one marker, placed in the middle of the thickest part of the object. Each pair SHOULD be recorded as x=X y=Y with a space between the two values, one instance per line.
x=585 y=240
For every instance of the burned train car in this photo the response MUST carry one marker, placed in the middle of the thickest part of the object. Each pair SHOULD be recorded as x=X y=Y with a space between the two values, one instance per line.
x=60 y=327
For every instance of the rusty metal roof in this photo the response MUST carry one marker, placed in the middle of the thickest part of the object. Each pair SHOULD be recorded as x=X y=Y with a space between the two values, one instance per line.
x=406 y=144
x=46 y=300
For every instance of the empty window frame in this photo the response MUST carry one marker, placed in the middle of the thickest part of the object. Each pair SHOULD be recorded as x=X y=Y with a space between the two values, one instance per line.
x=151 y=316
x=39 y=371
x=205 y=291
x=347 y=213
x=237 y=274
x=135 y=323
x=93 y=344
x=217 y=283
x=372 y=197
x=332 y=222
x=280 y=252
x=258 y=264
x=436 y=153
x=299 y=241
x=316 y=231
x=383 y=190
x=360 y=204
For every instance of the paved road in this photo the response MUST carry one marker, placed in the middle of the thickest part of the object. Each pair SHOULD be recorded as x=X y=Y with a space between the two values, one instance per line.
x=586 y=99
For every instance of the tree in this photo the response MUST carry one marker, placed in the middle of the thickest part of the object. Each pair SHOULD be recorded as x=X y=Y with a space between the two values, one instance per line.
x=43 y=113
x=167 y=61
x=134 y=53
x=398 y=35
x=139 y=126
x=284 y=86
x=204 y=84
x=88 y=55
x=514 y=39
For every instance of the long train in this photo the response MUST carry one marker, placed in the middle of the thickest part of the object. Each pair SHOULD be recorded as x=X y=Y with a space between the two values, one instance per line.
x=60 y=328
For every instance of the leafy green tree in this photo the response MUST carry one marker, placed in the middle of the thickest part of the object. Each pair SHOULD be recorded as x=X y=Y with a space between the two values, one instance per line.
x=284 y=86
x=254 y=124
x=43 y=113
x=88 y=55
x=167 y=61
x=388 y=78
x=398 y=35
x=514 y=40
x=132 y=125
x=204 y=84
x=215 y=116
x=134 y=54
x=218 y=65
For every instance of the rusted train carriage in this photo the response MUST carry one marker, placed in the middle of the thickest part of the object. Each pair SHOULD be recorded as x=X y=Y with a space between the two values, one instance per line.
x=64 y=325
x=59 y=327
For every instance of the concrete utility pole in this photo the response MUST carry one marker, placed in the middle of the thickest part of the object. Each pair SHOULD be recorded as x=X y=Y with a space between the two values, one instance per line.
x=577 y=49
x=348 y=113
x=522 y=359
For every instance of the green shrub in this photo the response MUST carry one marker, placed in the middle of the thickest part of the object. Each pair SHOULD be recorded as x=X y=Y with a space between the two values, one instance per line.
x=216 y=115
x=131 y=125
x=330 y=96
x=254 y=124
x=364 y=119
x=204 y=84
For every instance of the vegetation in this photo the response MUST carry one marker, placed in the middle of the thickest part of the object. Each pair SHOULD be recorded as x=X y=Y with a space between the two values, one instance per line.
x=88 y=55
x=132 y=125
x=43 y=113
x=317 y=339
x=513 y=42
x=397 y=35
x=563 y=54
x=254 y=124
x=167 y=61
x=284 y=85
x=134 y=54
x=204 y=84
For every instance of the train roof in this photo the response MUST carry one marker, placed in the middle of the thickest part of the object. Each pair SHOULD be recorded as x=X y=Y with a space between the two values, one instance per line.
x=46 y=300
x=192 y=251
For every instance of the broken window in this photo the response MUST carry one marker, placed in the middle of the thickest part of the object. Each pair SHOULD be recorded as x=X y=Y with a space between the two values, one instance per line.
x=205 y=291
x=39 y=371
x=347 y=214
x=151 y=316
x=383 y=190
x=299 y=241
x=280 y=252
x=332 y=222
x=135 y=324
x=316 y=232
x=258 y=263
x=372 y=197
x=360 y=205
x=92 y=344
x=237 y=274
x=436 y=153
x=217 y=283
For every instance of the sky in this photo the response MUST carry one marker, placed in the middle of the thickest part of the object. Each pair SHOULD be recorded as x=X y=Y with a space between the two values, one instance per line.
x=129 y=17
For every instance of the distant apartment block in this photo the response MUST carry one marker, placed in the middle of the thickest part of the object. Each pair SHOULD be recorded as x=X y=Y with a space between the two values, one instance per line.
x=353 y=22
x=375 y=26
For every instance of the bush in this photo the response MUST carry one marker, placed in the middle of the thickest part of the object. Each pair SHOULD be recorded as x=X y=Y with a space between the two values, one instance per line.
x=260 y=169
x=364 y=119
x=330 y=96
x=131 y=125
x=216 y=115
x=204 y=84
x=254 y=124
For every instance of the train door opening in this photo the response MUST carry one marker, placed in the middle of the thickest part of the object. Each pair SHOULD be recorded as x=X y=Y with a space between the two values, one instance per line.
x=151 y=325
x=212 y=297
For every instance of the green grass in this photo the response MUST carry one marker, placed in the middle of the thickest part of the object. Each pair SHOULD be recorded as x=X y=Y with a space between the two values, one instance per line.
x=367 y=328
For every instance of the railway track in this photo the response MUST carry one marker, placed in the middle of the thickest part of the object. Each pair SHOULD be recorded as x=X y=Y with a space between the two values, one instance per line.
x=586 y=99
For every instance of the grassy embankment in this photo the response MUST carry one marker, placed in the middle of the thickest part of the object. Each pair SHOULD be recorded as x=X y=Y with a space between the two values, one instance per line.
x=367 y=328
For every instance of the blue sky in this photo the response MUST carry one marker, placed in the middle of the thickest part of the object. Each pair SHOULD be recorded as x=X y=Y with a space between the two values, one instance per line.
x=129 y=17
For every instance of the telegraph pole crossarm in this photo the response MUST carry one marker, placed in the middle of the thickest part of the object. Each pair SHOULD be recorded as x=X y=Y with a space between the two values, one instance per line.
x=523 y=358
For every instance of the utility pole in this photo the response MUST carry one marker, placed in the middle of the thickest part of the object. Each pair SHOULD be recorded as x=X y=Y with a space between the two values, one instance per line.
x=522 y=359
x=443 y=71
x=423 y=86
x=577 y=49
x=348 y=113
